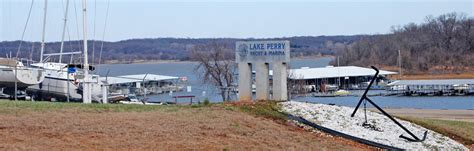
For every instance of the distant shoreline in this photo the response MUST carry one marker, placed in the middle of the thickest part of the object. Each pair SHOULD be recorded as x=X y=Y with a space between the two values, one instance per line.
x=111 y=62
x=147 y=62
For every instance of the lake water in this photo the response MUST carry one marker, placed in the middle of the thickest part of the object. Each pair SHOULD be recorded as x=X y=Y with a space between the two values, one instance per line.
x=202 y=90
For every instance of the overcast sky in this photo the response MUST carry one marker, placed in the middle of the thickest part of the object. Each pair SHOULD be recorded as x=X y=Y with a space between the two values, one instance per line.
x=219 y=18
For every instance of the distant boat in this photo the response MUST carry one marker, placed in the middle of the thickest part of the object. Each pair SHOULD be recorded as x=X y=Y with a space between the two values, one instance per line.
x=334 y=94
x=133 y=99
x=342 y=93
x=13 y=71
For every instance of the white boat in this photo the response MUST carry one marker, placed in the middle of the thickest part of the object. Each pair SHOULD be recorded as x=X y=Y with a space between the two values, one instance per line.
x=13 y=71
x=135 y=100
x=57 y=84
x=342 y=93
x=141 y=103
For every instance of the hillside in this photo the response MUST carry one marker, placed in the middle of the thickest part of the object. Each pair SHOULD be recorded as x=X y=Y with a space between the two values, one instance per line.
x=169 y=48
x=442 y=44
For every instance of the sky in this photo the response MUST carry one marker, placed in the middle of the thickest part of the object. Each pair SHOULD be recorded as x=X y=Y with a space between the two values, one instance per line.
x=132 y=19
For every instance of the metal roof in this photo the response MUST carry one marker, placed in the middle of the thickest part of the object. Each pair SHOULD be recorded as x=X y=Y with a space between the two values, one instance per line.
x=433 y=82
x=334 y=72
x=150 y=77
x=118 y=80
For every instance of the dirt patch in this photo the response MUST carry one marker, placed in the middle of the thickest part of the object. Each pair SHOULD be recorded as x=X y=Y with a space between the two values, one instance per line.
x=205 y=128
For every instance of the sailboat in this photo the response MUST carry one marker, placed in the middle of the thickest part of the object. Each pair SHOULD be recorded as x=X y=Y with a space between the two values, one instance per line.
x=14 y=75
x=63 y=85
x=13 y=72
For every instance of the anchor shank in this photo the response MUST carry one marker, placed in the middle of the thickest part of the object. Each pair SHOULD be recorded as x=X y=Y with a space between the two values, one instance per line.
x=393 y=119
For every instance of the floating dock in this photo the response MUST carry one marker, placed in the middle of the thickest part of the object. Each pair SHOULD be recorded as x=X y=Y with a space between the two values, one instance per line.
x=142 y=84
x=432 y=87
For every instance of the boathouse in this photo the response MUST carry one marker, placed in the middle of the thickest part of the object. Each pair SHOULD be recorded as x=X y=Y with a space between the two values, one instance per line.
x=141 y=84
x=333 y=78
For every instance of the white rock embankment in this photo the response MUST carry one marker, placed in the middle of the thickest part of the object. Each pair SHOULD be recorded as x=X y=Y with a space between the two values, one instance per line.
x=382 y=129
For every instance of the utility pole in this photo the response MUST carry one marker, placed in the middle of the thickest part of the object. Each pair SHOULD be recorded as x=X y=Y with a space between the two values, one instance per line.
x=399 y=64
x=16 y=81
x=338 y=79
x=86 y=92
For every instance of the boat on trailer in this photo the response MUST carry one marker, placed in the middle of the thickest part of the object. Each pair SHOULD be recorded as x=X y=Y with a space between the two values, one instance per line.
x=13 y=71
x=59 y=84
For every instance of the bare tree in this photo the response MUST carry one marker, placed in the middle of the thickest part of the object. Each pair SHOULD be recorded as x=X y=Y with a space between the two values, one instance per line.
x=295 y=86
x=438 y=45
x=216 y=66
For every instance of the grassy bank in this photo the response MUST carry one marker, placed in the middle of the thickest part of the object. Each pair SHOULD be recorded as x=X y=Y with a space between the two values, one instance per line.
x=221 y=126
x=215 y=126
x=24 y=106
x=260 y=109
x=457 y=130
x=264 y=109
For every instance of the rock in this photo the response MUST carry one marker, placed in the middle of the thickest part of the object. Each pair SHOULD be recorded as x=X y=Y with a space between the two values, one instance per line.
x=378 y=128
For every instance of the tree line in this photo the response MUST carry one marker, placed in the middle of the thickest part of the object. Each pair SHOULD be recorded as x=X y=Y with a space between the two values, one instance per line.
x=164 y=48
x=439 y=44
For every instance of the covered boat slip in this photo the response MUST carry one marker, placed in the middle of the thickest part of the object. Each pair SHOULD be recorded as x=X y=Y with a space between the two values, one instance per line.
x=334 y=78
x=142 y=84
x=433 y=87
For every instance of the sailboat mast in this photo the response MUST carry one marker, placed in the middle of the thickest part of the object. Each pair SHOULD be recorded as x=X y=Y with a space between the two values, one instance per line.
x=44 y=30
x=64 y=31
x=86 y=94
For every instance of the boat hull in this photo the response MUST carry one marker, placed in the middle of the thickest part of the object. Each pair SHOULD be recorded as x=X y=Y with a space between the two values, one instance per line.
x=56 y=83
x=22 y=76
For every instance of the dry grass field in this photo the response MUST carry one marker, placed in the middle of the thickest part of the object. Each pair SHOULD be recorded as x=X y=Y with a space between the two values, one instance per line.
x=65 y=126
x=460 y=131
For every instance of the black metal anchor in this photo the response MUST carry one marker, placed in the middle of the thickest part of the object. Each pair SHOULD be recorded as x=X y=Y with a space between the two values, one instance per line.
x=364 y=97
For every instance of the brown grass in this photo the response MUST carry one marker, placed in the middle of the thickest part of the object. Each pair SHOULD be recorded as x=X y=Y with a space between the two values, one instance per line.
x=451 y=74
x=460 y=131
x=439 y=76
x=215 y=127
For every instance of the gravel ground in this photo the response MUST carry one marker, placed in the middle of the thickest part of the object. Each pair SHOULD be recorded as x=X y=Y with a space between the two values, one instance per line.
x=382 y=129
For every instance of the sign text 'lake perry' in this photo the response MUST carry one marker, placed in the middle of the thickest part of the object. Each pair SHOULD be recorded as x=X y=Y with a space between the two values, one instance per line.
x=263 y=51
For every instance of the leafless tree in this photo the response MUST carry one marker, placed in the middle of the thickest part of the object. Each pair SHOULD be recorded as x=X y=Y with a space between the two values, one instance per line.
x=440 y=44
x=294 y=85
x=216 y=66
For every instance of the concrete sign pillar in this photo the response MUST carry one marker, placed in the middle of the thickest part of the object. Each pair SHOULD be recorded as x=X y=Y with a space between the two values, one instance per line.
x=262 y=54
x=245 y=81
x=262 y=81
x=280 y=75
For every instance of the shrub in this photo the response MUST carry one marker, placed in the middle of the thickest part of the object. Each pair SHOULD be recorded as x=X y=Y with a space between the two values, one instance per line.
x=206 y=101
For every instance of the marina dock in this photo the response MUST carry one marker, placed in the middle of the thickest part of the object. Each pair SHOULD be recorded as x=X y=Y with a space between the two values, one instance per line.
x=432 y=87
